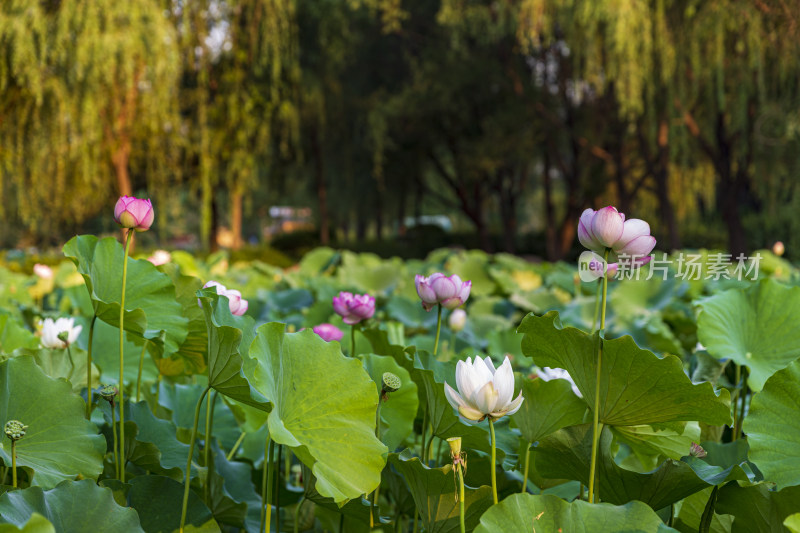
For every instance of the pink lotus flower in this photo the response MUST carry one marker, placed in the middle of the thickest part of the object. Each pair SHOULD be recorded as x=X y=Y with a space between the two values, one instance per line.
x=353 y=308
x=328 y=332
x=43 y=271
x=160 y=257
x=450 y=292
x=134 y=213
x=236 y=303
x=608 y=229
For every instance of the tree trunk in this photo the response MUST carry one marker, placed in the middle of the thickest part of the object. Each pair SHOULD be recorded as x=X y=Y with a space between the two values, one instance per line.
x=508 y=196
x=322 y=189
x=551 y=245
x=728 y=191
x=661 y=178
x=236 y=218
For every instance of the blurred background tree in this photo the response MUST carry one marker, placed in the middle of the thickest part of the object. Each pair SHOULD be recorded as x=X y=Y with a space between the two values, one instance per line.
x=508 y=117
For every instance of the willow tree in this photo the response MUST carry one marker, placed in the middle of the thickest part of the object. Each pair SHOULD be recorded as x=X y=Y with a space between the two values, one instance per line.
x=87 y=88
x=254 y=118
x=689 y=79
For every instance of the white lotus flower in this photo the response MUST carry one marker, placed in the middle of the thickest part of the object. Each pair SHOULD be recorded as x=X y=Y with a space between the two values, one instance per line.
x=547 y=373
x=52 y=329
x=483 y=391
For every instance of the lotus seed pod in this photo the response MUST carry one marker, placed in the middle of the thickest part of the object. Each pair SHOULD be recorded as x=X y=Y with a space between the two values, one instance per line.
x=455 y=446
x=109 y=392
x=15 y=429
x=391 y=383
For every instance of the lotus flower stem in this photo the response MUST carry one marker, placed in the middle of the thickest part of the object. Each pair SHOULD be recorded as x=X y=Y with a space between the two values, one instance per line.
x=236 y=446
x=527 y=464
x=461 y=510
x=353 y=340
x=207 y=443
x=438 y=328
x=596 y=428
x=116 y=446
x=494 y=460
x=69 y=355
x=89 y=373
x=14 y=463
x=297 y=513
x=141 y=365
x=597 y=297
x=121 y=358
x=189 y=459
x=277 y=495
x=738 y=421
x=266 y=486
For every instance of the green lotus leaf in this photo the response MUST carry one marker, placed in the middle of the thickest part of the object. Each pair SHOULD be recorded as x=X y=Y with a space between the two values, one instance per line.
x=636 y=386
x=181 y=401
x=190 y=357
x=434 y=492
x=158 y=501
x=14 y=335
x=548 y=407
x=72 y=507
x=57 y=364
x=566 y=455
x=36 y=524
x=228 y=360
x=324 y=409
x=150 y=305
x=792 y=523
x=400 y=408
x=757 y=508
x=752 y=327
x=523 y=513
x=59 y=443
x=690 y=514
x=772 y=429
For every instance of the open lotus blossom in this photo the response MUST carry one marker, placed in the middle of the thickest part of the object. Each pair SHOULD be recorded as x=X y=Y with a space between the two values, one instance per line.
x=160 y=257
x=353 y=308
x=328 y=332
x=236 y=303
x=607 y=228
x=134 y=213
x=52 y=329
x=43 y=271
x=450 y=292
x=483 y=391
x=547 y=374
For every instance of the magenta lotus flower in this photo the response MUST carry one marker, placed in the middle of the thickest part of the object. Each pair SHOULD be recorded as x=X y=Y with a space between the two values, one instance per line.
x=450 y=292
x=236 y=303
x=328 y=332
x=134 y=213
x=353 y=308
x=608 y=229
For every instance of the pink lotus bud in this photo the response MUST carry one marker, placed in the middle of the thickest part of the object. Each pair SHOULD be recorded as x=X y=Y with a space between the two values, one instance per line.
x=697 y=451
x=354 y=308
x=450 y=292
x=607 y=226
x=328 y=332
x=608 y=229
x=585 y=235
x=43 y=271
x=160 y=257
x=457 y=320
x=236 y=303
x=134 y=213
x=777 y=249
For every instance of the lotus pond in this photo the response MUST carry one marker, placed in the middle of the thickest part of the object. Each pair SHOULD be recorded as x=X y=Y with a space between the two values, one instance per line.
x=274 y=427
